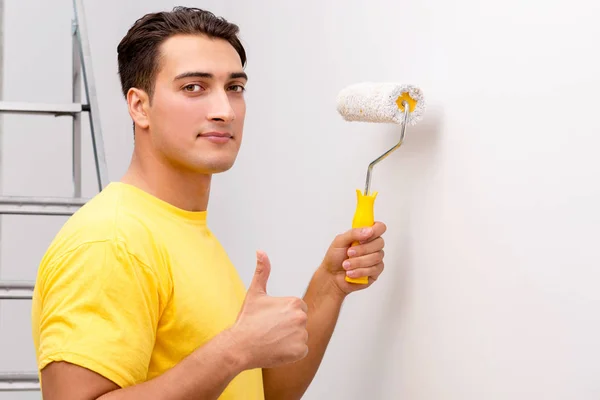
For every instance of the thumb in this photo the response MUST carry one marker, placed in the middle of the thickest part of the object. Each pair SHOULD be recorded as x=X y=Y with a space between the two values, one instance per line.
x=261 y=275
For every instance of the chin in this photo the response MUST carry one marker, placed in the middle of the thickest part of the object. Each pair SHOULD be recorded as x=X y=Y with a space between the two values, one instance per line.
x=219 y=170
x=214 y=167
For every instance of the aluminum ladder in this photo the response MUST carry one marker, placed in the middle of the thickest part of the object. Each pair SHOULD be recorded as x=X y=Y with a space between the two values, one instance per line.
x=81 y=65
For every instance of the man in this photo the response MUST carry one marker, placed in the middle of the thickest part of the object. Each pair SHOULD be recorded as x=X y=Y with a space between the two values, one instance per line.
x=135 y=298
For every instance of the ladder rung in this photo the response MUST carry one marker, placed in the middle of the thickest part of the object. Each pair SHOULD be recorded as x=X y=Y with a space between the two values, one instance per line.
x=19 y=381
x=16 y=290
x=41 y=108
x=40 y=205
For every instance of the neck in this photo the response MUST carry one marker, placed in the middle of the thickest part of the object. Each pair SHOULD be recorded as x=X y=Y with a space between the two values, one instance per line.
x=183 y=189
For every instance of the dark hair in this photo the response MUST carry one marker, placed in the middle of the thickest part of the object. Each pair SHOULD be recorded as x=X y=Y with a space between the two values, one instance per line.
x=138 y=52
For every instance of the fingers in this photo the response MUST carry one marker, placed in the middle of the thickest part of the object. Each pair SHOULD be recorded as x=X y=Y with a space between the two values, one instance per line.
x=361 y=235
x=365 y=261
x=379 y=229
x=372 y=272
x=367 y=248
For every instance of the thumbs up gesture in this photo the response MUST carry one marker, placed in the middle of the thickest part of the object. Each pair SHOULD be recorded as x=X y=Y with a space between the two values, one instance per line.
x=273 y=328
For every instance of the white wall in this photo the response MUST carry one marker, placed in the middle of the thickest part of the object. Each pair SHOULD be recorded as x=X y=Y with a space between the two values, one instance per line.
x=491 y=204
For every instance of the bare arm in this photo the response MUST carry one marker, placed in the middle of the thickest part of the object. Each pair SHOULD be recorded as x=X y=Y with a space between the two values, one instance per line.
x=324 y=302
x=204 y=374
x=324 y=297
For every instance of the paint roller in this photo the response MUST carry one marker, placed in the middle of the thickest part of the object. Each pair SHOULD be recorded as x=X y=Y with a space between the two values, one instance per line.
x=395 y=103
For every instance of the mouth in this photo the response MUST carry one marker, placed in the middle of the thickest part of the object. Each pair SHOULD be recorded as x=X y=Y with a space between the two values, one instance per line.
x=216 y=134
x=216 y=137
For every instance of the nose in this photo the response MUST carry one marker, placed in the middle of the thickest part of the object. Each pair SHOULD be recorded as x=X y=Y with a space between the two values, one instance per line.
x=221 y=110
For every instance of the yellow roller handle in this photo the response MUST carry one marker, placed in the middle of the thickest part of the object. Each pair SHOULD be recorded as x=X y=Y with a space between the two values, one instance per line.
x=364 y=216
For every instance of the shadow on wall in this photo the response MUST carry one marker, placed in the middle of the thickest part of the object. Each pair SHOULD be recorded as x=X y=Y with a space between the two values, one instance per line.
x=416 y=159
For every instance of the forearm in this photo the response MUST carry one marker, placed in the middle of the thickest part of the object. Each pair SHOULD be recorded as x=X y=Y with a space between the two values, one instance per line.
x=324 y=301
x=202 y=375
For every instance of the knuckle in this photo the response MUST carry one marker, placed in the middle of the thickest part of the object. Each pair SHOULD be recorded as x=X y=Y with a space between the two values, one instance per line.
x=358 y=250
x=296 y=302
x=374 y=259
x=300 y=350
x=357 y=263
x=304 y=351
x=304 y=317
x=301 y=317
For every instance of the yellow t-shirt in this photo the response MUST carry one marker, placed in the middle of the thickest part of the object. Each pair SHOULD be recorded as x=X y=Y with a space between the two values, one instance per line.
x=130 y=286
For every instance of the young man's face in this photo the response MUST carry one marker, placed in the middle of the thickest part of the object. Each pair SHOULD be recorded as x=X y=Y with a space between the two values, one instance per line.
x=196 y=119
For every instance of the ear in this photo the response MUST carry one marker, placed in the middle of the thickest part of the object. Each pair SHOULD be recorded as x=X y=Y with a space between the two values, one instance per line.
x=138 y=103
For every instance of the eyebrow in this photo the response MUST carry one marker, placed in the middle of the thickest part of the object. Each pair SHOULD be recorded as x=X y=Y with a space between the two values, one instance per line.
x=208 y=75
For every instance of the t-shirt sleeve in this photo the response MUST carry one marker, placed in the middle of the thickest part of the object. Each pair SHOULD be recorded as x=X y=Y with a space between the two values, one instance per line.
x=100 y=308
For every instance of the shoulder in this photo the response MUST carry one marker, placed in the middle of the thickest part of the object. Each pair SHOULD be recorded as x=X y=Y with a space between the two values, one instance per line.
x=110 y=216
x=106 y=231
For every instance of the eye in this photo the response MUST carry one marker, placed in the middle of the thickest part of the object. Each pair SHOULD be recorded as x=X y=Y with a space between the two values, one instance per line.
x=192 y=88
x=237 y=88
